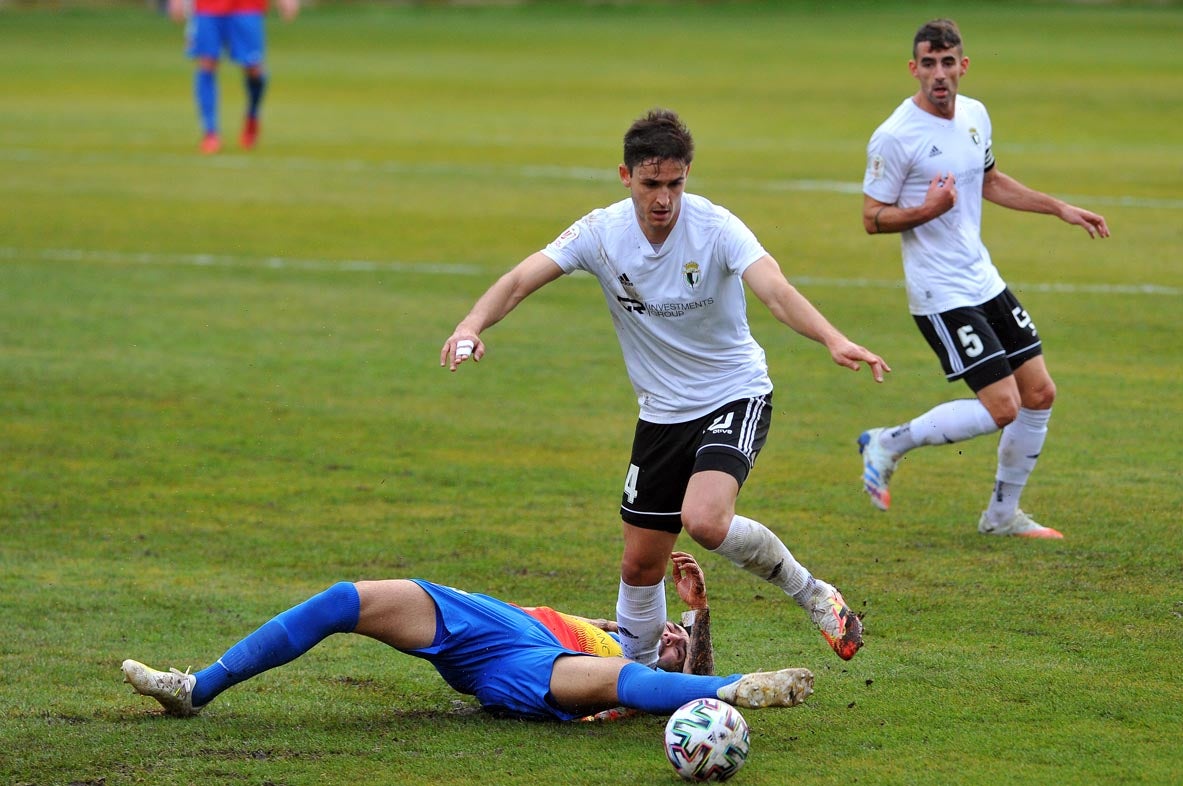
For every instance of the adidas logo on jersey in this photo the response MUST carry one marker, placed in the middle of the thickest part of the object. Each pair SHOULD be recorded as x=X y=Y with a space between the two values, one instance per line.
x=936 y=151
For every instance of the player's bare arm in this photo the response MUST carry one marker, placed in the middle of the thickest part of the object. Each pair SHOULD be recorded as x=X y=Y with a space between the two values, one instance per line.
x=690 y=583
x=1004 y=190
x=529 y=275
x=768 y=283
x=880 y=218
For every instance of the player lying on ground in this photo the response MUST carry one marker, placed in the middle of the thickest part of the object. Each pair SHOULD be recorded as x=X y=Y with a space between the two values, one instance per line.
x=519 y=662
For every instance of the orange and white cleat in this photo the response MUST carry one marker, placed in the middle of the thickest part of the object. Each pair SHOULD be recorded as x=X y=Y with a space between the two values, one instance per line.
x=841 y=627
x=1020 y=525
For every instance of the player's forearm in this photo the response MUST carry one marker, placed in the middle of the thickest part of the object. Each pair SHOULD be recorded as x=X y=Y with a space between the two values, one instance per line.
x=700 y=657
x=1004 y=191
x=883 y=219
x=794 y=309
x=493 y=306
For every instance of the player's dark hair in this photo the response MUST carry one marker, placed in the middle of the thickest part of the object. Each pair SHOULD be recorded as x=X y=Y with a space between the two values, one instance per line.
x=660 y=135
x=940 y=34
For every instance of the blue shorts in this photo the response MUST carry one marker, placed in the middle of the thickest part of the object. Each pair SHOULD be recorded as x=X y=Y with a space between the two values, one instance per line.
x=493 y=650
x=239 y=34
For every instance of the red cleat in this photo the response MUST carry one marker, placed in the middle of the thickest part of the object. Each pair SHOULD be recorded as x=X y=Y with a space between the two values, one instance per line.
x=210 y=143
x=250 y=133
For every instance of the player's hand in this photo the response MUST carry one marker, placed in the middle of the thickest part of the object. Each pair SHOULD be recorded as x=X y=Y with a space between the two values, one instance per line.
x=176 y=10
x=459 y=347
x=852 y=355
x=942 y=194
x=689 y=580
x=288 y=9
x=1093 y=223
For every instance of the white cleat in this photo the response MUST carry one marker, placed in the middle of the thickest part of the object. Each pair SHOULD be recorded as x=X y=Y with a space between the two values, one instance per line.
x=172 y=688
x=784 y=688
x=1020 y=525
x=878 y=467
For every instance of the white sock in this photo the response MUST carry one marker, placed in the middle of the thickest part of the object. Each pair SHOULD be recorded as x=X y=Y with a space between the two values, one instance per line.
x=755 y=548
x=1018 y=449
x=1021 y=444
x=640 y=613
x=1003 y=502
x=953 y=421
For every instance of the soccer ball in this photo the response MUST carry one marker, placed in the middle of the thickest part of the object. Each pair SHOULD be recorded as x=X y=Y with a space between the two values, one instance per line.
x=706 y=740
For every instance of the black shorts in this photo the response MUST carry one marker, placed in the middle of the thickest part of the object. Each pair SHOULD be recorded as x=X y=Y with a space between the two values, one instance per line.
x=982 y=344
x=665 y=455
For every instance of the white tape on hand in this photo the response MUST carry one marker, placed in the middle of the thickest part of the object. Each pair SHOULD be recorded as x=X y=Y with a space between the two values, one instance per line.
x=464 y=348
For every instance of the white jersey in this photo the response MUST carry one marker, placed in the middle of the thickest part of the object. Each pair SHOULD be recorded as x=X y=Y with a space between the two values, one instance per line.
x=945 y=263
x=680 y=312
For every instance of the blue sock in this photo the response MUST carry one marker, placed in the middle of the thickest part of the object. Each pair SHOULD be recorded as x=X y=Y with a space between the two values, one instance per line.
x=256 y=85
x=654 y=691
x=205 y=88
x=281 y=640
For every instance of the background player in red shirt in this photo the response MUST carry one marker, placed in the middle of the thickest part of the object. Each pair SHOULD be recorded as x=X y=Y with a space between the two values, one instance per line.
x=235 y=26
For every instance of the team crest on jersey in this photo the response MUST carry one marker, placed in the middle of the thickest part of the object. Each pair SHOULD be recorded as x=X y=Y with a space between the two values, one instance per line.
x=692 y=273
x=975 y=136
x=876 y=166
x=569 y=235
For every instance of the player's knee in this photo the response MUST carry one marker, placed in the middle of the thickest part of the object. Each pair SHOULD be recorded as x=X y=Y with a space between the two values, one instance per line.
x=707 y=528
x=642 y=570
x=1042 y=397
x=1004 y=411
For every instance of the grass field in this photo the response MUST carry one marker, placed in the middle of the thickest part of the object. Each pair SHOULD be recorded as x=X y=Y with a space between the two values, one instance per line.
x=220 y=392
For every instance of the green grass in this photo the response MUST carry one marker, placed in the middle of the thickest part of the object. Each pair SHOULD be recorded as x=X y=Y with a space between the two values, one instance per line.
x=219 y=388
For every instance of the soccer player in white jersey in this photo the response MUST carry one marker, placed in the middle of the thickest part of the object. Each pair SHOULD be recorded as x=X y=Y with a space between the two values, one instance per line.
x=929 y=165
x=673 y=267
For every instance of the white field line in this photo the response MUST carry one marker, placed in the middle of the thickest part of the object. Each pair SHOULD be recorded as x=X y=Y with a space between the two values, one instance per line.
x=460 y=269
x=532 y=172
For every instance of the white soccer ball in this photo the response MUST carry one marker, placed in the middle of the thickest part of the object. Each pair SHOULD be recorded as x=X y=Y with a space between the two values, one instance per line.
x=706 y=740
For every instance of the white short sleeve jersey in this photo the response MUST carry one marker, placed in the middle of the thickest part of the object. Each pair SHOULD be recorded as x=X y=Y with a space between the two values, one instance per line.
x=945 y=263
x=680 y=313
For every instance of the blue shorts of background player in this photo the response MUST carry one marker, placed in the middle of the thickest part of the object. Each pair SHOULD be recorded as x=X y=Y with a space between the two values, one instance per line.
x=513 y=663
x=239 y=35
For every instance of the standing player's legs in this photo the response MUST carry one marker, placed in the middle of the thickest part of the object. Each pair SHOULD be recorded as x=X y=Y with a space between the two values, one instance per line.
x=689 y=475
x=969 y=349
x=205 y=91
x=995 y=349
x=650 y=509
x=1018 y=450
x=709 y=517
x=640 y=600
x=247 y=46
x=206 y=34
